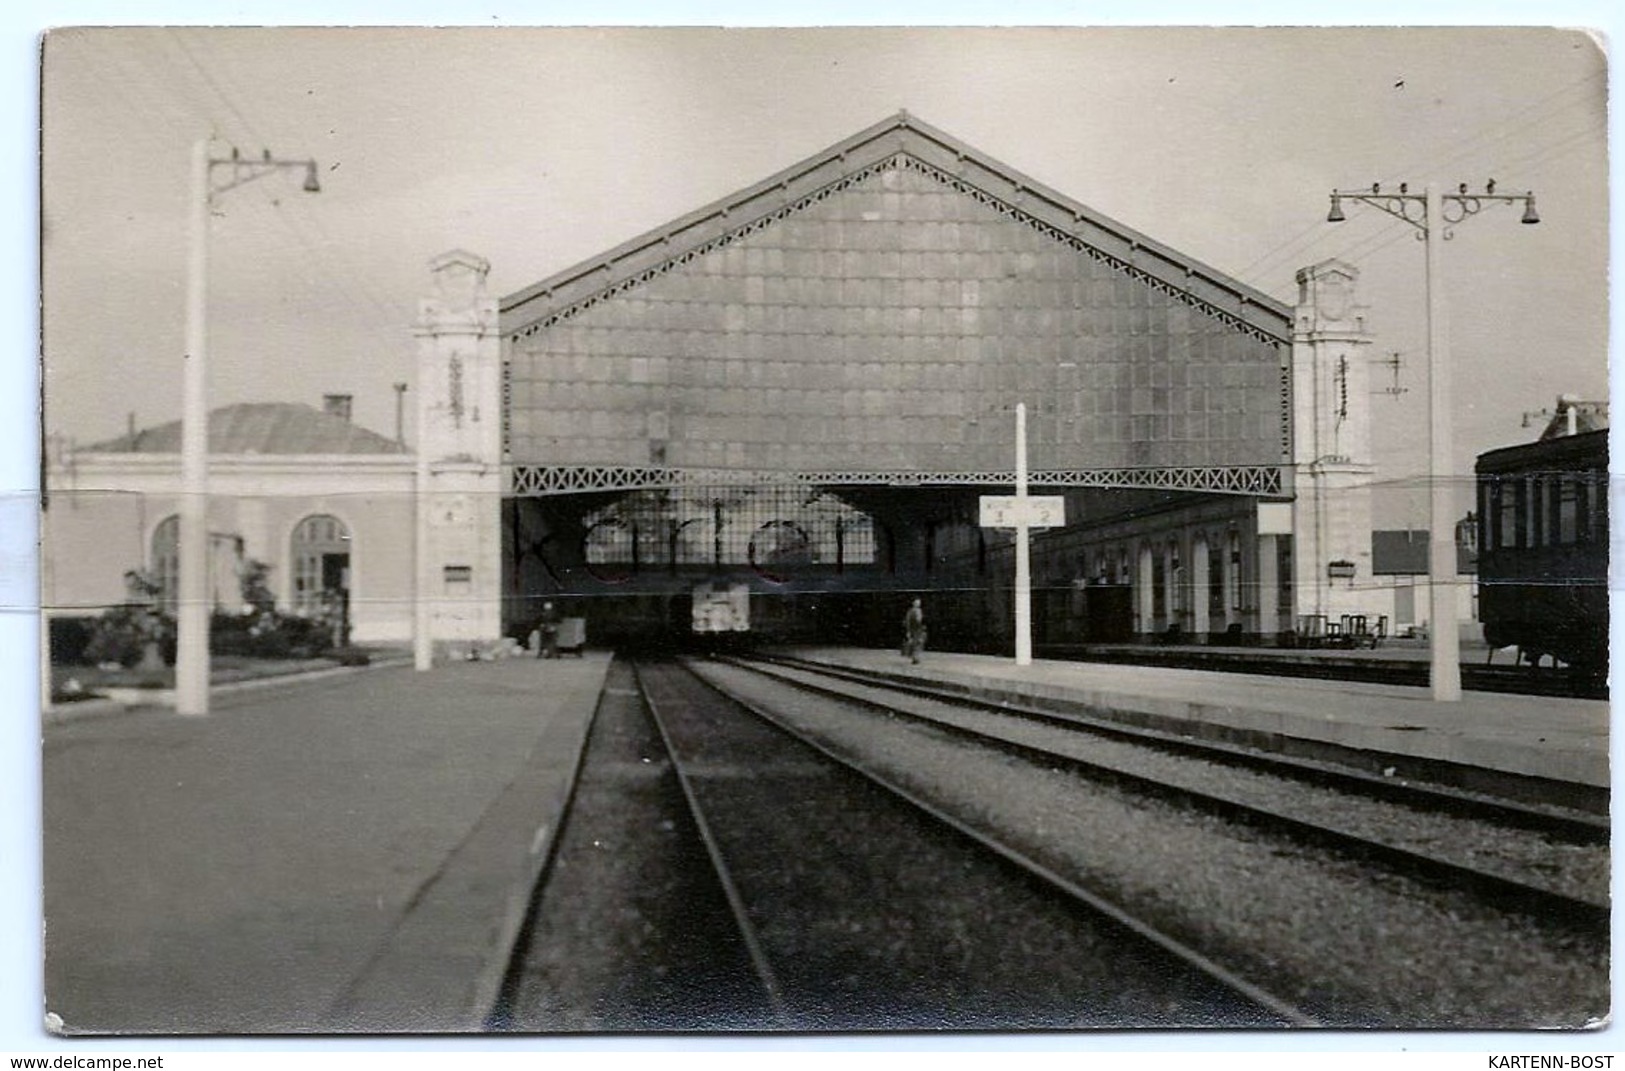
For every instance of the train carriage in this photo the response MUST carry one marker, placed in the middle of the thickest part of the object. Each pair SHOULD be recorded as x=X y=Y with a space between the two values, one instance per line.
x=1543 y=549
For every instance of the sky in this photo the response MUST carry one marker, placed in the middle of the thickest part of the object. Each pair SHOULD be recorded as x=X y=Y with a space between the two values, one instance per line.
x=539 y=148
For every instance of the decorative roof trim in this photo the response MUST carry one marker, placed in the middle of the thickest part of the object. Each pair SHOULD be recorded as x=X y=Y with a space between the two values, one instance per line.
x=537 y=480
x=900 y=142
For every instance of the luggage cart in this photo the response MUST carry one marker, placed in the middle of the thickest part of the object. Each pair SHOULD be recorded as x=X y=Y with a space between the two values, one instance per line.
x=572 y=636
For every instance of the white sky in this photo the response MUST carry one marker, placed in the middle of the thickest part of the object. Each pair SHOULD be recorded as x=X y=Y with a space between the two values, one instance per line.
x=537 y=150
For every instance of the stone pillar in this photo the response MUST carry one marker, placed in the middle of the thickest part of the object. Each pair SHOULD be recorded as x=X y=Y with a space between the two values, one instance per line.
x=1269 y=584
x=1231 y=578
x=1144 y=593
x=1173 y=578
x=459 y=448
x=1331 y=447
x=1201 y=594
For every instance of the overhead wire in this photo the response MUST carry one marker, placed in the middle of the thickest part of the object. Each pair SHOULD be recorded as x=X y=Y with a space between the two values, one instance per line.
x=1507 y=127
x=169 y=97
x=1569 y=143
x=1590 y=137
x=1305 y=237
x=131 y=89
x=1515 y=123
x=174 y=36
x=356 y=288
x=351 y=284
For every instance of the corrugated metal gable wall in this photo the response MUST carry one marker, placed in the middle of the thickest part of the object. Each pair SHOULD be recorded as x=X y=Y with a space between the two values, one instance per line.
x=891 y=326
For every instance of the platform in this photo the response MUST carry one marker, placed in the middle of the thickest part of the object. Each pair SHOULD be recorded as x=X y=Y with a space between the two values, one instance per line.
x=355 y=853
x=1397 y=661
x=1541 y=750
x=340 y=854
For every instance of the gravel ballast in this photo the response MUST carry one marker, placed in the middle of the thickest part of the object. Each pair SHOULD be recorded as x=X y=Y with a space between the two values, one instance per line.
x=1352 y=944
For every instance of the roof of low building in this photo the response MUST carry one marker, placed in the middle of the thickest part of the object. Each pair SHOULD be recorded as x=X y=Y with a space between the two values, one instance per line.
x=278 y=428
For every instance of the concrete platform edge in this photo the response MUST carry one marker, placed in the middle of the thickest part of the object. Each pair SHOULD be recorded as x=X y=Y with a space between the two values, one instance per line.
x=1469 y=764
x=159 y=698
x=472 y=910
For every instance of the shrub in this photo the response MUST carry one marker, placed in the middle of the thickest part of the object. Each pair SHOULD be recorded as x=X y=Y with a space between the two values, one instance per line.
x=269 y=634
x=122 y=633
x=69 y=637
x=306 y=637
x=256 y=587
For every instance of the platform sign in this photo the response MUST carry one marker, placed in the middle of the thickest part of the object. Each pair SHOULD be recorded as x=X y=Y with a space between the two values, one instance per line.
x=1043 y=511
x=1274 y=518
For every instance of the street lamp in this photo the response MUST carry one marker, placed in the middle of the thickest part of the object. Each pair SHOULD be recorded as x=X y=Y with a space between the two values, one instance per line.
x=192 y=620
x=1434 y=215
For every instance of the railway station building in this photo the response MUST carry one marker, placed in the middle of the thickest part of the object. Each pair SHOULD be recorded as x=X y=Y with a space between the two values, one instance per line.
x=801 y=392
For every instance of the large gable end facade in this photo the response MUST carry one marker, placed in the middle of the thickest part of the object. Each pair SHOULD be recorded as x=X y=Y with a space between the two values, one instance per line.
x=868 y=312
x=899 y=143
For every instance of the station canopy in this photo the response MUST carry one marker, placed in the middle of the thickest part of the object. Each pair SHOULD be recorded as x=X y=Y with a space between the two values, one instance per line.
x=871 y=316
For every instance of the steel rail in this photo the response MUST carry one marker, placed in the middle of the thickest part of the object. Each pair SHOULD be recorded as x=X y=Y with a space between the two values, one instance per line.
x=1588 y=916
x=1197 y=961
x=545 y=845
x=1573 y=827
x=736 y=903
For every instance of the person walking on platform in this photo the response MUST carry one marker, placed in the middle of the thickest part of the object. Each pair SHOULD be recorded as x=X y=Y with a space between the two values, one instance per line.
x=914 y=632
x=549 y=628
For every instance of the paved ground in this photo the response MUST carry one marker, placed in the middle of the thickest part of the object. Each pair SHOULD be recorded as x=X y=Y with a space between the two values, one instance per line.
x=1474 y=652
x=353 y=852
x=112 y=694
x=285 y=864
x=1560 y=739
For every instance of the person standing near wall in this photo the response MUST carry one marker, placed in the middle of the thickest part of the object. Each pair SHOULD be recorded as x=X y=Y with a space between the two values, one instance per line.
x=549 y=629
x=914 y=632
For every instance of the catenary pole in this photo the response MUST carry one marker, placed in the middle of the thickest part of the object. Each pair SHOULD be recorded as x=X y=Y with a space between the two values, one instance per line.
x=1433 y=213
x=1024 y=594
x=192 y=613
x=1444 y=635
x=192 y=618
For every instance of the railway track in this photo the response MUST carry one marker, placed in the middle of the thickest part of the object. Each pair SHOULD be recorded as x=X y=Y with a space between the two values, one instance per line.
x=1566 y=802
x=1349 y=929
x=1553 y=864
x=628 y=929
x=755 y=852
x=836 y=901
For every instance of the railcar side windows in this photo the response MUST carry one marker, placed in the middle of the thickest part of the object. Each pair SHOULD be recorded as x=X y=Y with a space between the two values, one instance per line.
x=1567 y=511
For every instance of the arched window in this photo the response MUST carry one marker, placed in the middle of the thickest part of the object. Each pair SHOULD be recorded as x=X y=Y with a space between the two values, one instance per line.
x=1232 y=576
x=1215 y=579
x=166 y=560
x=1176 y=582
x=610 y=548
x=321 y=563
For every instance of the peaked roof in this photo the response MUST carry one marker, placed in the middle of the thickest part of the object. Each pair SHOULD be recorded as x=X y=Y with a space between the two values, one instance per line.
x=261 y=428
x=657 y=251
